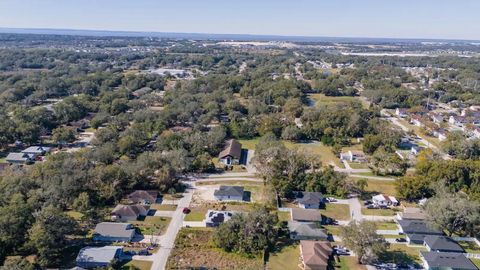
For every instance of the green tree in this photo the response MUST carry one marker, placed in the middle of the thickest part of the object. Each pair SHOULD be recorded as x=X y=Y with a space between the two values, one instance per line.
x=363 y=239
x=64 y=134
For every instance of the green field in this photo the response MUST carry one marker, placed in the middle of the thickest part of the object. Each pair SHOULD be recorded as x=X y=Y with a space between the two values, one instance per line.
x=381 y=186
x=287 y=258
x=336 y=211
x=152 y=225
x=378 y=212
x=196 y=214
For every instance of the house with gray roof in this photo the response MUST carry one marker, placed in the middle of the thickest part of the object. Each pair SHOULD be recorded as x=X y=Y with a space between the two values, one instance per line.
x=113 y=232
x=95 y=257
x=446 y=261
x=20 y=158
x=416 y=230
x=37 y=150
x=306 y=215
x=309 y=200
x=123 y=212
x=143 y=196
x=440 y=243
x=306 y=231
x=229 y=193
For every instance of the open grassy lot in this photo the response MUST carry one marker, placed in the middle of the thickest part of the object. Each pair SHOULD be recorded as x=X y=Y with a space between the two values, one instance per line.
x=284 y=216
x=398 y=253
x=194 y=249
x=287 y=258
x=358 y=165
x=470 y=247
x=348 y=263
x=75 y=215
x=386 y=225
x=321 y=99
x=378 y=212
x=336 y=211
x=164 y=207
x=196 y=214
x=142 y=265
x=152 y=225
x=317 y=148
x=381 y=186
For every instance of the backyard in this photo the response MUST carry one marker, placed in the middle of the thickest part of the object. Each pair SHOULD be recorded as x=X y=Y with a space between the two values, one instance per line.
x=287 y=258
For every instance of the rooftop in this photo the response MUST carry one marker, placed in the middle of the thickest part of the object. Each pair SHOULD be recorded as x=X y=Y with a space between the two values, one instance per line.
x=232 y=148
x=446 y=260
x=306 y=214
x=98 y=254
x=315 y=254
x=113 y=229
x=229 y=191
x=442 y=243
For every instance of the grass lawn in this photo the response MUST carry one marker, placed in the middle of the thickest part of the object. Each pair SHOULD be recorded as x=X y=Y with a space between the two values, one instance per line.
x=398 y=253
x=321 y=99
x=75 y=215
x=142 y=265
x=229 y=183
x=380 y=186
x=152 y=225
x=287 y=258
x=378 y=212
x=357 y=165
x=395 y=236
x=284 y=216
x=469 y=247
x=476 y=262
x=386 y=225
x=194 y=249
x=348 y=263
x=336 y=211
x=196 y=214
x=249 y=144
x=164 y=207
x=332 y=229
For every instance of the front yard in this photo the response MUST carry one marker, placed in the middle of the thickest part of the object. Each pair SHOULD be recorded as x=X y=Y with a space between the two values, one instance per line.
x=152 y=225
x=379 y=212
x=399 y=253
x=287 y=258
x=164 y=207
x=135 y=264
x=336 y=211
x=470 y=247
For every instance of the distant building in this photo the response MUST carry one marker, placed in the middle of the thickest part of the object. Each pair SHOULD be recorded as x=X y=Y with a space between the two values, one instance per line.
x=37 y=150
x=128 y=212
x=229 y=193
x=446 y=260
x=440 y=243
x=353 y=156
x=458 y=121
x=384 y=200
x=95 y=257
x=20 y=158
x=416 y=120
x=401 y=112
x=309 y=200
x=143 y=196
x=306 y=231
x=415 y=150
x=315 y=255
x=113 y=232
x=215 y=218
x=231 y=154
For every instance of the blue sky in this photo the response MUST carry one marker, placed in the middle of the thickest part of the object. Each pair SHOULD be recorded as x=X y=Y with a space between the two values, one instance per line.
x=452 y=19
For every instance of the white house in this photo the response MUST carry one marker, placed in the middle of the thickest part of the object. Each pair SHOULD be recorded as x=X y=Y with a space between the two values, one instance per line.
x=457 y=120
x=401 y=112
x=416 y=150
x=353 y=156
x=416 y=120
x=384 y=200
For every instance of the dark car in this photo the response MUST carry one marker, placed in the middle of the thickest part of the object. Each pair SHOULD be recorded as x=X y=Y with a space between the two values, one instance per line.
x=186 y=210
x=401 y=240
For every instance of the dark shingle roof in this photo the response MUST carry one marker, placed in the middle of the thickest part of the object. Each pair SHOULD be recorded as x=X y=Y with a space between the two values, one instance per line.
x=417 y=227
x=309 y=197
x=139 y=196
x=306 y=229
x=306 y=214
x=232 y=148
x=229 y=191
x=443 y=243
x=448 y=260
x=113 y=229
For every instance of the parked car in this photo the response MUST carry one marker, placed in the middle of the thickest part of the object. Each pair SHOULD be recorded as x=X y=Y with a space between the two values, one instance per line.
x=367 y=203
x=401 y=240
x=186 y=210
x=371 y=206
x=330 y=199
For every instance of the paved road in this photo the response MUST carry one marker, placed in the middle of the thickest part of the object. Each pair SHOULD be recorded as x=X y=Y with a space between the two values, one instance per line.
x=168 y=239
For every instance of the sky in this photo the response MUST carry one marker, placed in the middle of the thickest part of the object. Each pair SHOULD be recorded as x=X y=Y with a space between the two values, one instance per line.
x=443 y=19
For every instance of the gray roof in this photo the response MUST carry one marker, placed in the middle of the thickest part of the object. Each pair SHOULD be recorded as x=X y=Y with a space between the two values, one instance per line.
x=442 y=243
x=306 y=214
x=229 y=191
x=306 y=229
x=18 y=156
x=97 y=254
x=113 y=229
x=36 y=150
x=417 y=227
x=448 y=260
x=129 y=210
x=309 y=197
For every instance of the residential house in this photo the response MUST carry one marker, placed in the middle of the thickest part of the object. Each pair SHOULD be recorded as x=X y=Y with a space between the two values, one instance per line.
x=231 y=154
x=401 y=112
x=458 y=121
x=214 y=218
x=96 y=257
x=315 y=254
x=439 y=243
x=416 y=120
x=229 y=193
x=416 y=150
x=113 y=232
x=37 y=150
x=306 y=215
x=416 y=230
x=353 y=156
x=309 y=200
x=441 y=134
x=384 y=200
x=20 y=158
x=123 y=212
x=143 y=197
x=436 y=118
x=446 y=260
x=306 y=231
x=411 y=213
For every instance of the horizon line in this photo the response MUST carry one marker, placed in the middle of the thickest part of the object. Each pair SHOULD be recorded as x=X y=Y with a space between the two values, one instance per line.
x=18 y=30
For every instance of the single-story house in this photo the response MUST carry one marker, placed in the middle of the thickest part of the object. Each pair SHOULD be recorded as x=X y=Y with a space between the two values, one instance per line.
x=113 y=232
x=439 y=243
x=415 y=150
x=37 y=150
x=315 y=254
x=229 y=193
x=384 y=200
x=411 y=213
x=436 y=118
x=123 y=212
x=416 y=230
x=458 y=120
x=401 y=112
x=230 y=155
x=143 y=196
x=441 y=134
x=306 y=231
x=20 y=158
x=95 y=257
x=353 y=156
x=306 y=215
x=446 y=260
x=214 y=218
x=309 y=200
